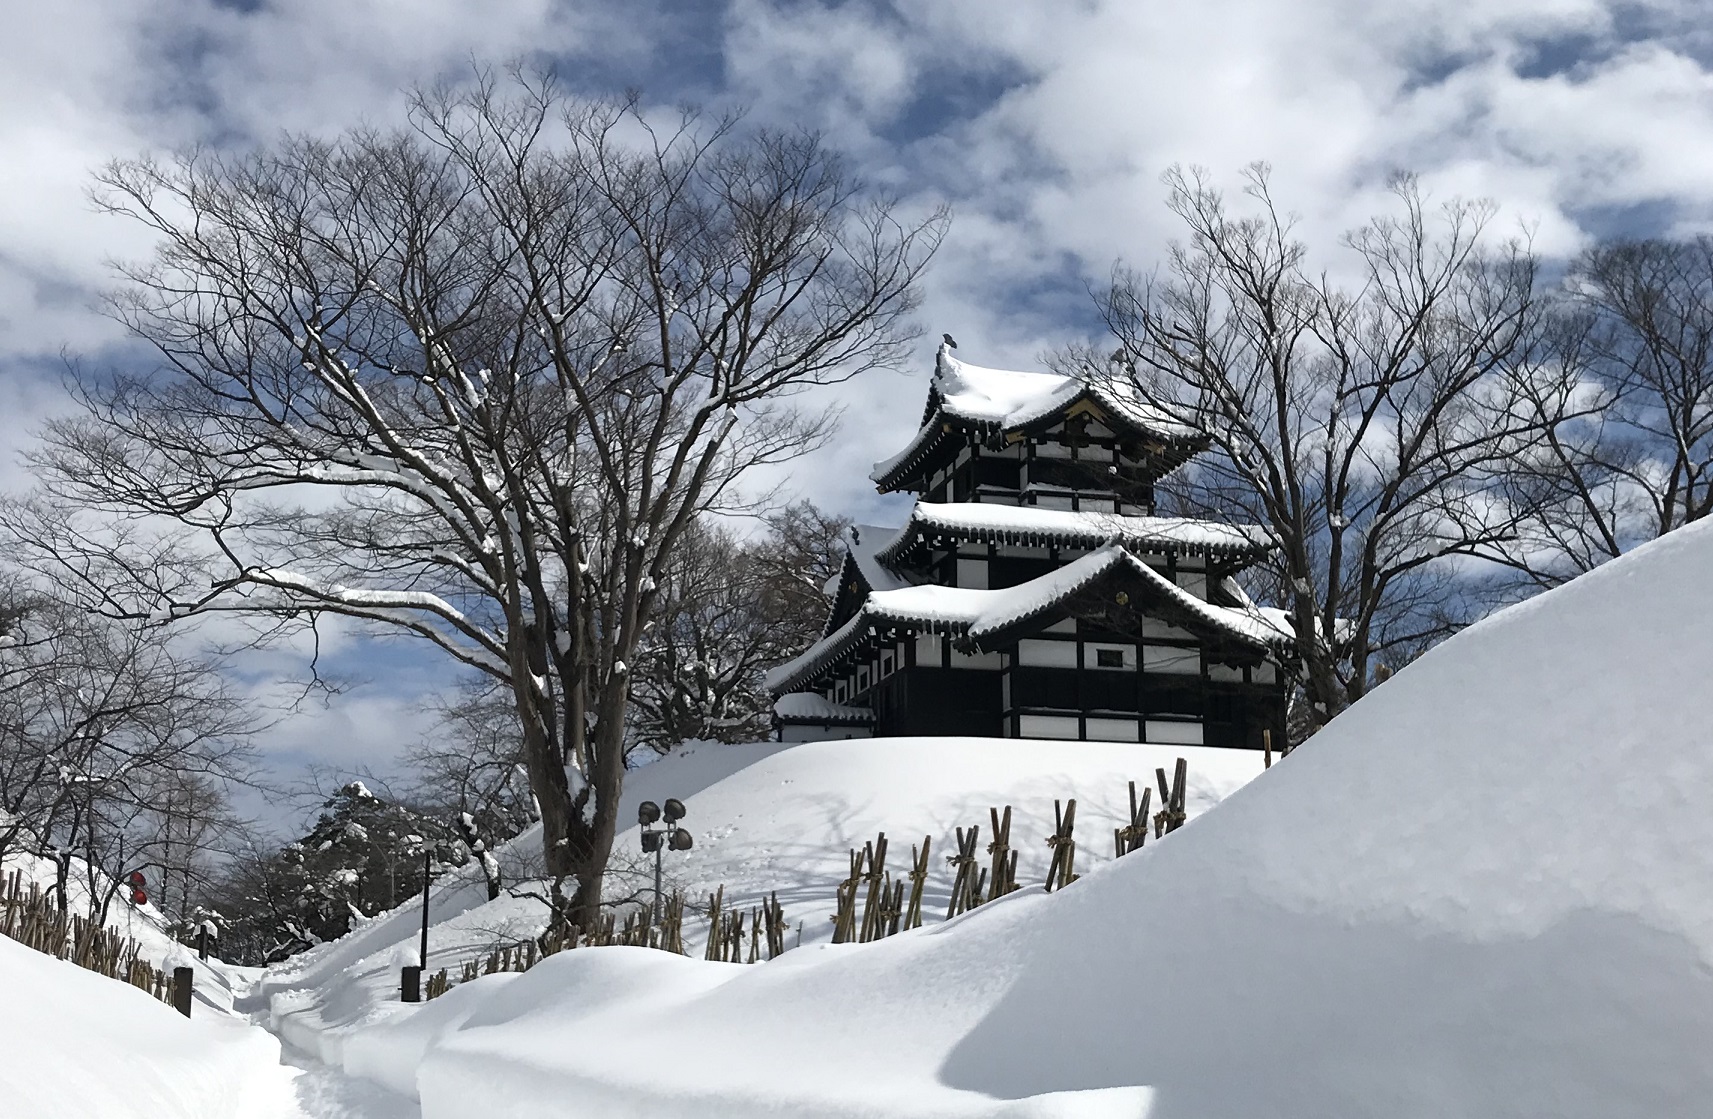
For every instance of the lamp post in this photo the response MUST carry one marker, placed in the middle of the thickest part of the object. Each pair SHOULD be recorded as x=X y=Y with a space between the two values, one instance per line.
x=671 y=837
x=411 y=979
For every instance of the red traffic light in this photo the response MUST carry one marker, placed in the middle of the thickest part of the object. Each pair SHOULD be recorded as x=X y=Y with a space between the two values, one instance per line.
x=138 y=897
x=136 y=880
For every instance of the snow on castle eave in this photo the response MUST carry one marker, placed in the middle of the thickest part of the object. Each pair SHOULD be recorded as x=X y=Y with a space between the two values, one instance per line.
x=1029 y=526
x=1007 y=399
x=973 y=614
x=808 y=707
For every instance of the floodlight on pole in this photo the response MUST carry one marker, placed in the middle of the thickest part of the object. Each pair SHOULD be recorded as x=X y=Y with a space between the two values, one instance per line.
x=657 y=842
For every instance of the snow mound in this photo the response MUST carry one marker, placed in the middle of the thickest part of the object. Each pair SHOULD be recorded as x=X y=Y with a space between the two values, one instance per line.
x=767 y=818
x=1486 y=890
x=79 y=1044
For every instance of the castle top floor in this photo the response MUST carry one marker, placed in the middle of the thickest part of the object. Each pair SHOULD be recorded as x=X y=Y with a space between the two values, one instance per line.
x=1039 y=439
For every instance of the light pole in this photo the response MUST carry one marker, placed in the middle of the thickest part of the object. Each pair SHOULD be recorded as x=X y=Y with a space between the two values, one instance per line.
x=410 y=982
x=670 y=837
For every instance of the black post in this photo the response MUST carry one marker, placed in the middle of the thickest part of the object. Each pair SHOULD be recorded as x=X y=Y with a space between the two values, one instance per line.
x=182 y=979
x=202 y=942
x=410 y=985
x=422 y=957
x=657 y=852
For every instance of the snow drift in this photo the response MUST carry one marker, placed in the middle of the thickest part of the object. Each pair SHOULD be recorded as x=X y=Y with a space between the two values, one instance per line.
x=1486 y=890
x=74 y=1043
x=767 y=817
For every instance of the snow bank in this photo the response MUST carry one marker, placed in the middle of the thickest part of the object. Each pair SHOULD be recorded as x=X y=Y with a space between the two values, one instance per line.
x=767 y=817
x=77 y=1044
x=1487 y=890
x=144 y=924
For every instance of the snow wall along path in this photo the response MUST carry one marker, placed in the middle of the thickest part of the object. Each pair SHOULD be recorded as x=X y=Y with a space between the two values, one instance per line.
x=1485 y=891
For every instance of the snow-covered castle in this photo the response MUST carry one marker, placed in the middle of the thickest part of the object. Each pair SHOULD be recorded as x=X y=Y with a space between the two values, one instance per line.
x=1033 y=593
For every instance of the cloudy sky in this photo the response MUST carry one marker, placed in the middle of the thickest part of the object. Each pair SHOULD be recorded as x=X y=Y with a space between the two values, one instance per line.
x=1045 y=123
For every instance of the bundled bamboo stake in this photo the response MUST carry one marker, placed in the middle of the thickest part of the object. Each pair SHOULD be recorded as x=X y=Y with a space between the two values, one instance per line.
x=775 y=914
x=1267 y=747
x=918 y=882
x=1180 y=787
x=672 y=923
x=1003 y=878
x=966 y=889
x=715 y=927
x=1171 y=816
x=732 y=950
x=1060 y=872
x=1133 y=835
x=874 y=897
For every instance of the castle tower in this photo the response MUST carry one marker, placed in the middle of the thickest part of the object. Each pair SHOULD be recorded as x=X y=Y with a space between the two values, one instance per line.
x=1032 y=592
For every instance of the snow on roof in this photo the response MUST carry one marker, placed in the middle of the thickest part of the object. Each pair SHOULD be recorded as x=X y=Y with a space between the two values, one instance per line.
x=865 y=543
x=809 y=707
x=976 y=613
x=1026 y=524
x=1011 y=398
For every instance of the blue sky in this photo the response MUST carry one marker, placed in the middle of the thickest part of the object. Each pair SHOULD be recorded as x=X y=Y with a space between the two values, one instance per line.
x=1045 y=123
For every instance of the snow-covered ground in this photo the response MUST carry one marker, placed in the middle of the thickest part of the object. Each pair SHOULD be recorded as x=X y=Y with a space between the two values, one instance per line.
x=767 y=818
x=1487 y=890
x=76 y=1044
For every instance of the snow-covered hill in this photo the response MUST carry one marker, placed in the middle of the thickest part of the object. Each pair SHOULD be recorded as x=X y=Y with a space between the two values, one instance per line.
x=1485 y=891
x=766 y=818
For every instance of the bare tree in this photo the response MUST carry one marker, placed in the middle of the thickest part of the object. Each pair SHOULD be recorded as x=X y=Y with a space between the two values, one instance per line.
x=1359 y=426
x=472 y=382
x=1627 y=408
x=804 y=550
x=472 y=761
x=116 y=751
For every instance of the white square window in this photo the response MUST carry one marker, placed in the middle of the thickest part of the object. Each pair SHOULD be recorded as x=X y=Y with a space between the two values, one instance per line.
x=1048 y=654
x=1171 y=659
x=1112 y=730
x=1048 y=726
x=1155 y=628
x=1168 y=732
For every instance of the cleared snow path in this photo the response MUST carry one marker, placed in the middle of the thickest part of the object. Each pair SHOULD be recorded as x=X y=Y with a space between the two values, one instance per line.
x=322 y=1092
x=317 y=1090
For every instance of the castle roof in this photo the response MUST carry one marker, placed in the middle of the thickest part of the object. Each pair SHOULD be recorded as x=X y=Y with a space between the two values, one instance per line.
x=979 y=620
x=992 y=401
x=1030 y=526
